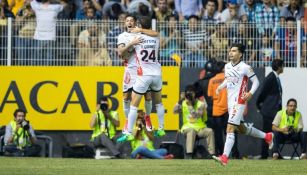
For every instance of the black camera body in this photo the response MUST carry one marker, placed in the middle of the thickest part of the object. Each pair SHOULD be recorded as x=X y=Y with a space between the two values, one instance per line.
x=25 y=124
x=189 y=96
x=104 y=106
x=291 y=130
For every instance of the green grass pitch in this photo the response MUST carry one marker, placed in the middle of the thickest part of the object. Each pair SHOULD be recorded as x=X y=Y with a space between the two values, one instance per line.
x=59 y=166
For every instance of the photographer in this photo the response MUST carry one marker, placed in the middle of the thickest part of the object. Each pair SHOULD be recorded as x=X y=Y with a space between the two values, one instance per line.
x=288 y=126
x=19 y=137
x=194 y=118
x=104 y=123
x=142 y=145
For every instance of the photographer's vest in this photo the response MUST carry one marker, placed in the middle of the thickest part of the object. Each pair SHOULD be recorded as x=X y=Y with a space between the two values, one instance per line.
x=188 y=122
x=145 y=142
x=103 y=126
x=289 y=120
x=21 y=139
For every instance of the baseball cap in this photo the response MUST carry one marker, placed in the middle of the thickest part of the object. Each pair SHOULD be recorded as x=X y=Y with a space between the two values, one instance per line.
x=232 y=2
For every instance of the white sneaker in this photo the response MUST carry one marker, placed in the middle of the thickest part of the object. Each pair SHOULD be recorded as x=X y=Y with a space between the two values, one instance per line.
x=303 y=156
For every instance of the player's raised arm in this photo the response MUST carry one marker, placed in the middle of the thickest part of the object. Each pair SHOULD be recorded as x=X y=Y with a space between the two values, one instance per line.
x=145 y=31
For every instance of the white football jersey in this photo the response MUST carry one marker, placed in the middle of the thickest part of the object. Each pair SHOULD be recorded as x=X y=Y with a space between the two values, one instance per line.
x=125 y=38
x=147 y=56
x=237 y=80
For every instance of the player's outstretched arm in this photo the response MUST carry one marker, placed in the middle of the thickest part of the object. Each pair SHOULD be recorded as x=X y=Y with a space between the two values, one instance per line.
x=220 y=87
x=145 y=31
x=255 y=85
x=122 y=48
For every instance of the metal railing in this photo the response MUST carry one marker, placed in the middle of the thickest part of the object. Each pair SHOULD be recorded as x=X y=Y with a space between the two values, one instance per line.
x=94 y=43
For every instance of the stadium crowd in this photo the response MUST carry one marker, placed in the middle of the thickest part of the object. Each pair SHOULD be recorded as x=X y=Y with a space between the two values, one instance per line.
x=192 y=32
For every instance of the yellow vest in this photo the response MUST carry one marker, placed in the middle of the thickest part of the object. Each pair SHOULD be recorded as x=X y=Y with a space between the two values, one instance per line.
x=99 y=129
x=145 y=142
x=21 y=139
x=195 y=123
x=289 y=120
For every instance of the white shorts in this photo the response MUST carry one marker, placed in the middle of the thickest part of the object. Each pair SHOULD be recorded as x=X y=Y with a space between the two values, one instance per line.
x=129 y=79
x=236 y=114
x=145 y=82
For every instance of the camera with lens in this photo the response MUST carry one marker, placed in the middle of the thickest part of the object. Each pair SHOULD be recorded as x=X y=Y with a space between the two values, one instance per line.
x=189 y=96
x=104 y=106
x=25 y=124
x=291 y=130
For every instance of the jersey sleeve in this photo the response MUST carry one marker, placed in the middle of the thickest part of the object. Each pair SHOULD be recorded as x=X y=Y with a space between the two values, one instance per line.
x=121 y=40
x=249 y=71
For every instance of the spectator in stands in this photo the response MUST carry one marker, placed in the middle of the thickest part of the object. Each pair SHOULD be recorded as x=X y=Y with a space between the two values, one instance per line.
x=112 y=40
x=69 y=11
x=232 y=13
x=170 y=42
x=194 y=118
x=81 y=14
x=162 y=11
x=112 y=10
x=5 y=12
x=247 y=35
x=288 y=126
x=211 y=15
x=92 y=47
x=266 y=51
x=220 y=42
x=249 y=9
x=45 y=31
x=220 y=110
x=140 y=8
x=267 y=18
x=20 y=138
x=104 y=123
x=295 y=9
x=196 y=39
x=286 y=42
x=25 y=26
x=16 y=5
x=187 y=8
x=269 y=101
x=142 y=145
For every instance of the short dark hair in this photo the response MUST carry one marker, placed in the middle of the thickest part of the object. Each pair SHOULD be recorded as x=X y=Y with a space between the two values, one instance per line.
x=193 y=16
x=291 y=99
x=103 y=99
x=240 y=47
x=131 y=15
x=145 y=22
x=19 y=110
x=167 y=18
x=277 y=63
x=214 y=1
x=190 y=88
x=290 y=18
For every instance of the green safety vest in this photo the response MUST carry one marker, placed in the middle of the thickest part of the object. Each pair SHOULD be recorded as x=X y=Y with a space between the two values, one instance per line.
x=145 y=142
x=99 y=129
x=21 y=139
x=188 y=122
x=289 y=120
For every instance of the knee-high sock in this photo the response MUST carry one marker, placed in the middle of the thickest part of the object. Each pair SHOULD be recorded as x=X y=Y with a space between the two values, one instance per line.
x=230 y=140
x=251 y=131
x=160 y=112
x=148 y=107
x=132 y=118
x=126 y=107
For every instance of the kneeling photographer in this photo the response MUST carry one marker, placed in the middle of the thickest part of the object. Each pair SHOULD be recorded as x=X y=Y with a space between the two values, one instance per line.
x=20 y=138
x=288 y=126
x=104 y=123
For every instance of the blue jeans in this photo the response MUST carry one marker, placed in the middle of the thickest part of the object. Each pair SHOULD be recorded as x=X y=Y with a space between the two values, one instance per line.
x=24 y=48
x=194 y=59
x=143 y=151
x=44 y=53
